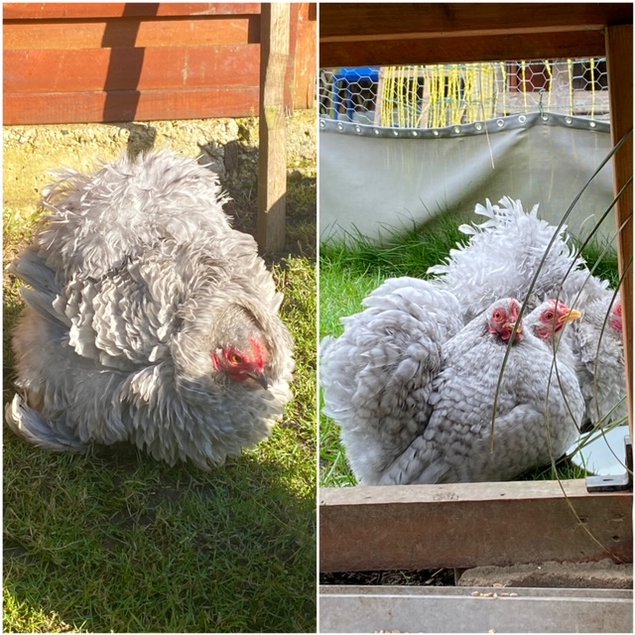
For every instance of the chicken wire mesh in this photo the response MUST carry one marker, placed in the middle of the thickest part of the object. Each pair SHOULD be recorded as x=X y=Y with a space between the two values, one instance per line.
x=436 y=96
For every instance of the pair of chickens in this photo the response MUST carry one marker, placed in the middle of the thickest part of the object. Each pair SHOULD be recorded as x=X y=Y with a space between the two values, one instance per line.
x=484 y=371
x=148 y=319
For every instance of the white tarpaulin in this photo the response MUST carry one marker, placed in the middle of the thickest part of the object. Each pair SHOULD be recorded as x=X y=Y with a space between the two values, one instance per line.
x=373 y=179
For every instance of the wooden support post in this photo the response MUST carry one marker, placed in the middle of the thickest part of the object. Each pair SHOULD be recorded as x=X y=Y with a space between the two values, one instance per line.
x=272 y=174
x=464 y=525
x=619 y=52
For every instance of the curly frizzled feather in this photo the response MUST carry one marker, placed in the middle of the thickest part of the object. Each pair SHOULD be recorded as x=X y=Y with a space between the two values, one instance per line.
x=137 y=281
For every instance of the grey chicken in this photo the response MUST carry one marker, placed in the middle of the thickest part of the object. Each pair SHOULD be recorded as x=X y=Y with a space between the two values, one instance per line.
x=376 y=376
x=501 y=258
x=599 y=349
x=148 y=319
x=537 y=416
x=547 y=322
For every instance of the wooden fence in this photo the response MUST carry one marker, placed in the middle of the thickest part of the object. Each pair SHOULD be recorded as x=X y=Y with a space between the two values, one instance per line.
x=105 y=62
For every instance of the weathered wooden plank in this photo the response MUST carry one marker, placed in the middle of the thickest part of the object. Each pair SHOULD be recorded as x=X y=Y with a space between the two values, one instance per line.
x=139 y=32
x=470 y=524
x=128 y=61
x=619 y=50
x=272 y=175
x=121 y=69
x=64 y=10
x=445 y=48
x=303 y=72
x=361 y=21
x=129 y=105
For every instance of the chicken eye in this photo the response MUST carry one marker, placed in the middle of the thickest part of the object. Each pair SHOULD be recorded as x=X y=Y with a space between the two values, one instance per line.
x=234 y=359
x=548 y=316
x=498 y=316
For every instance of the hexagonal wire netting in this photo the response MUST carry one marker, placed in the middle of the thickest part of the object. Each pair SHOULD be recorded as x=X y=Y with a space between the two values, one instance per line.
x=440 y=95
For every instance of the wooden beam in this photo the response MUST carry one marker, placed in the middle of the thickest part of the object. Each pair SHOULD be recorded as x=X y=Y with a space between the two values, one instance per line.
x=469 y=524
x=619 y=51
x=353 y=34
x=370 y=21
x=272 y=180
x=442 y=48
x=435 y=609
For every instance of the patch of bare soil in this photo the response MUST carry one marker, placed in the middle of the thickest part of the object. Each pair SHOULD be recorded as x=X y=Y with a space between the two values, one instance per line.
x=421 y=577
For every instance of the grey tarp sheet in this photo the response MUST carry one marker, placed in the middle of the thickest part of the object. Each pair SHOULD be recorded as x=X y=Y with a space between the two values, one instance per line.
x=375 y=180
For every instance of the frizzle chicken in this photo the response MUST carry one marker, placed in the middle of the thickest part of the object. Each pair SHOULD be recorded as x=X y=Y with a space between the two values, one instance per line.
x=599 y=349
x=547 y=322
x=148 y=319
x=536 y=418
x=511 y=249
x=408 y=385
x=376 y=376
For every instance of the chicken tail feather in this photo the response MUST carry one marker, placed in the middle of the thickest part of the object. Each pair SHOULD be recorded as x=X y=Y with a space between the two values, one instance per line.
x=30 y=425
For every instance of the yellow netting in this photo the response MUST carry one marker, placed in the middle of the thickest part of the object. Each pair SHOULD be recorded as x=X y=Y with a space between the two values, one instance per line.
x=436 y=96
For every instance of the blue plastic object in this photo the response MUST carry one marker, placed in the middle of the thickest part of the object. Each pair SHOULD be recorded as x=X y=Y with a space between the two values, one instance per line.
x=341 y=85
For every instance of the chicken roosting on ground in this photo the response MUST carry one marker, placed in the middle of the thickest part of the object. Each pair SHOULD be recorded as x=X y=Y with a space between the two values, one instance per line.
x=148 y=319
x=437 y=425
x=377 y=375
x=503 y=256
x=413 y=390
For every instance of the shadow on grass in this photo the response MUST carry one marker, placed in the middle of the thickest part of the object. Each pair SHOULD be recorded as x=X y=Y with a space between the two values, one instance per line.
x=11 y=308
x=114 y=541
x=241 y=183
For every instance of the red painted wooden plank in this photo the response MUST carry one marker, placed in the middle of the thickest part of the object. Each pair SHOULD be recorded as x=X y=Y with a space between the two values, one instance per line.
x=120 y=32
x=66 y=10
x=121 y=69
x=138 y=76
x=304 y=54
x=149 y=105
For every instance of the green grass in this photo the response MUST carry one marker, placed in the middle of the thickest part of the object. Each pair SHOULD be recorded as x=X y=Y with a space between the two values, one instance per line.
x=118 y=542
x=352 y=268
x=604 y=261
x=114 y=541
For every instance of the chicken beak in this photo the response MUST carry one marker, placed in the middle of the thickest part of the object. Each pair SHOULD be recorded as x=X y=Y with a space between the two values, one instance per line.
x=518 y=326
x=260 y=377
x=573 y=315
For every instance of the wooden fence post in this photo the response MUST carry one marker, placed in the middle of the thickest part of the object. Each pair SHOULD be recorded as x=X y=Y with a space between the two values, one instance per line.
x=619 y=52
x=272 y=174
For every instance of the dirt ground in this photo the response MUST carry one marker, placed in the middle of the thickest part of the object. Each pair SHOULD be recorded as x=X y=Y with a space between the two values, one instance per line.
x=604 y=574
x=33 y=153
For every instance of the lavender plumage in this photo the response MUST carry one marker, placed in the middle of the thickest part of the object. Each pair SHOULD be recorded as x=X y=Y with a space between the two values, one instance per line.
x=502 y=256
x=413 y=390
x=376 y=376
x=537 y=415
x=148 y=319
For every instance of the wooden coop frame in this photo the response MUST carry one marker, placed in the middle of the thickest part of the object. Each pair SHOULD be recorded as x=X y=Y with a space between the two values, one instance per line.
x=464 y=525
x=140 y=61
